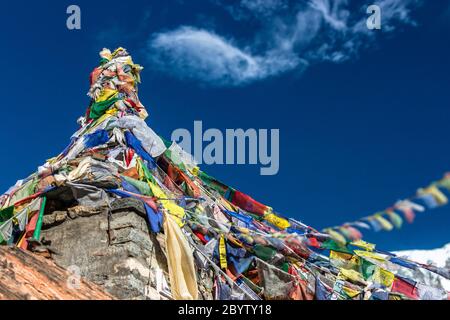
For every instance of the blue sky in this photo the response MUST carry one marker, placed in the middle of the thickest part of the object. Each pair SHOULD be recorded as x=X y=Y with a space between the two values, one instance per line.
x=363 y=115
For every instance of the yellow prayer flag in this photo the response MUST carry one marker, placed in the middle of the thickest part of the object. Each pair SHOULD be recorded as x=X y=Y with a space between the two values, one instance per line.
x=195 y=171
x=111 y=111
x=229 y=206
x=336 y=236
x=383 y=277
x=436 y=193
x=120 y=49
x=175 y=210
x=351 y=275
x=98 y=122
x=277 y=221
x=223 y=253
x=52 y=160
x=371 y=255
x=386 y=225
x=345 y=260
x=364 y=245
x=351 y=293
x=334 y=255
x=107 y=94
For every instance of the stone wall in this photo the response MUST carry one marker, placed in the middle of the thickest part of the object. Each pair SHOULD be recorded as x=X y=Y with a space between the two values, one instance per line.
x=114 y=250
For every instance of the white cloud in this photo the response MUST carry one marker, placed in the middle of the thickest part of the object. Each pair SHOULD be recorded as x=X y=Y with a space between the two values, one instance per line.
x=246 y=9
x=195 y=53
x=397 y=12
x=293 y=35
x=264 y=7
x=332 y=12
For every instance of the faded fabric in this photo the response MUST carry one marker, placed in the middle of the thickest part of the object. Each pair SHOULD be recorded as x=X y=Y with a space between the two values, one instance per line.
x=183 y=279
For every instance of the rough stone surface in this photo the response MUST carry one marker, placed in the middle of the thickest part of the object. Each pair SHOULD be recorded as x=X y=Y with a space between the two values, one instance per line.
x=26 y=276
x=113 y=250
x=57 y=217
x=112 y=247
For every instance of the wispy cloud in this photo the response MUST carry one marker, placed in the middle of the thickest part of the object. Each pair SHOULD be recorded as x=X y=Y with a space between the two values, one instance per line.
x=247 y=9
x=398 y=12
x=200 y=54
x=292 y=36
x=264 y=7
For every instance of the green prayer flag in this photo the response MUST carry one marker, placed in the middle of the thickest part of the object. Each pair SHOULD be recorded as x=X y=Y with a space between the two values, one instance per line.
x=213 y=183
x=37 y=230
x=367 y=268
x=6 y=214
x=330 y=244
x=263 y=252
x=147 y=174
x=99 y=108
x=143 y=187
x=103 y=61
x=25 y=190
x=396 y=220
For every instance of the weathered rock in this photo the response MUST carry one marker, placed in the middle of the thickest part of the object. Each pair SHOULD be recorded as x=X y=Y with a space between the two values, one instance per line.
x=82 y=211
x=128 y=204
x=113 y=250
x=24 y=275
x=54 y=218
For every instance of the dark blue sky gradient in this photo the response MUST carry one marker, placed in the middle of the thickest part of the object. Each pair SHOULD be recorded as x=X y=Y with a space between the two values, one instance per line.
x=354 y=137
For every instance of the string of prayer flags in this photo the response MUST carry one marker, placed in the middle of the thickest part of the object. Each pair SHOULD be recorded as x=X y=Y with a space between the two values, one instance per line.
x=431 y=197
